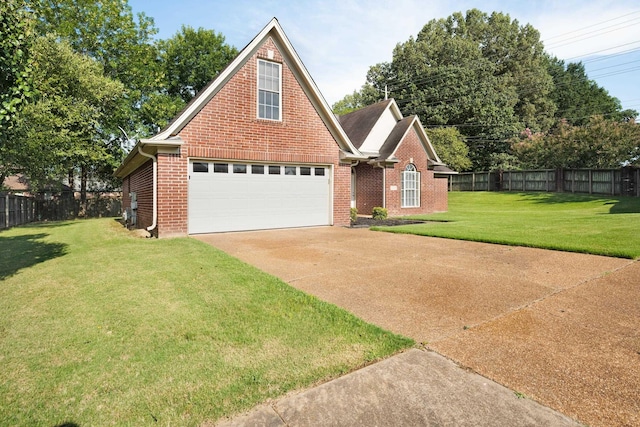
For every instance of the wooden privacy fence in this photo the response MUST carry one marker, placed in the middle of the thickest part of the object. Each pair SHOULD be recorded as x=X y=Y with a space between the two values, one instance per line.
x=615 y=182
x=16 y=209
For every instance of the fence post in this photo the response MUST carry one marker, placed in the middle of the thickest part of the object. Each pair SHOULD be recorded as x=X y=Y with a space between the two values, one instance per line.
x=613 y=182
x=6 y=211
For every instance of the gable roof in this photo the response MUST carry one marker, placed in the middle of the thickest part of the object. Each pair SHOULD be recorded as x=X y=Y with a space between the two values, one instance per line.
x=360 y=124
x=274 y=31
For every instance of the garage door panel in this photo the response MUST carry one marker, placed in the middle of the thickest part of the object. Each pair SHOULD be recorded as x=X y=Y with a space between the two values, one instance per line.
x=247 y=201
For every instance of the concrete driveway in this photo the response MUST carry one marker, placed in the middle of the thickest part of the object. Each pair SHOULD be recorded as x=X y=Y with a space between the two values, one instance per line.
x=560 y=328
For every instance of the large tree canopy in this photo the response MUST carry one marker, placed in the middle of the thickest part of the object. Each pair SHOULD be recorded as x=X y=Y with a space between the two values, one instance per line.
x=578 y=98
x=489 y=77
x=64 y=127
x=122 y=43
x=111 y=73
x=450 y=146
x=188 y=61
x=16 y=36
x=16 y=87
x=598 y=144
x=192 y=58
x=485 y=74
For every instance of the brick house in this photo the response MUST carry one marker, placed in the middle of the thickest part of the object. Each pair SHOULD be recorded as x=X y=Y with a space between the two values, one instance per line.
x=260 y=148
x=402 y=173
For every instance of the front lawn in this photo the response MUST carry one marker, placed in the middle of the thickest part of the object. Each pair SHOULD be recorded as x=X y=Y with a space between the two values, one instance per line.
x=578 y=223
x=98 y=327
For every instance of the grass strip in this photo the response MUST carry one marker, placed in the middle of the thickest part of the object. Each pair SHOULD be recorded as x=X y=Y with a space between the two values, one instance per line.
x=597 y=225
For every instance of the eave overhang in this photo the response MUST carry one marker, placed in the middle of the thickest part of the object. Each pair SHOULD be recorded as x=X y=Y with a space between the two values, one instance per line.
x=150 y=146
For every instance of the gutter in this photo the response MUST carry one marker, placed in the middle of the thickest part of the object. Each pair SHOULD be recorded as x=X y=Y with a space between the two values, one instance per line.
x=154 y=223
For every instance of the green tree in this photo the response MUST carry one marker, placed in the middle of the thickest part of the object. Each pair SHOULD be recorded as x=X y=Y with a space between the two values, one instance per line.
x=578 y=98
x=122 y=43
x=192 y=58
x=451 y=148
x=187 y=62
x=63 y=128
x=484 y=74
x=598 y=144
x=16 y=37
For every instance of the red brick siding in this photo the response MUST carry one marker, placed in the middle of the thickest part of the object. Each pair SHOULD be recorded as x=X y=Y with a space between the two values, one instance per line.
x=172 y=195
x=141 y=183
x=441 y=195
x=410 y=148
x=368 y=188
x=227 y=128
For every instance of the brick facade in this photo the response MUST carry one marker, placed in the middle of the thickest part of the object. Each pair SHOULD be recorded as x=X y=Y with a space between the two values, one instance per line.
x=412 y=151
x=369 y=186
x=141 y=183
x=227 y=128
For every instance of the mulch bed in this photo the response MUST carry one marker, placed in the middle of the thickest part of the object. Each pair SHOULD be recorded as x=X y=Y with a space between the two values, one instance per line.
x=363 y=222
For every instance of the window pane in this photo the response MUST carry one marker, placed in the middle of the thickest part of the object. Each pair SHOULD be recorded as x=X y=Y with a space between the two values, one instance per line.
x=289 y=170
x=268 y=90
x=305 y=170
x=220 y=168
x=200 y=167
x=274 y=170
x=239 y=168
x=257 y=169
x=319 y=171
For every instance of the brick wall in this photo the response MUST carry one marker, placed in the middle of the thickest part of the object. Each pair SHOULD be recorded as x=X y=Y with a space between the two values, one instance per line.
x=368 y=188
x=227 y=128
x=410 y=151
x=172 y=195
x=441 y=195
x=140 y=182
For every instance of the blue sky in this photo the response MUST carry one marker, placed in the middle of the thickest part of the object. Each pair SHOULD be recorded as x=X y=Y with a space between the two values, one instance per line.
x=339 y=39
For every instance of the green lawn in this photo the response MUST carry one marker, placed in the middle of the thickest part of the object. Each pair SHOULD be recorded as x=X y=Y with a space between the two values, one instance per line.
x=98 y=327
x=577 y=223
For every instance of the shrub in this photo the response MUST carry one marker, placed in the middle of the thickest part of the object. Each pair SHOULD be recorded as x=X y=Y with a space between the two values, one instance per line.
x=379 y=213
x=354 y=214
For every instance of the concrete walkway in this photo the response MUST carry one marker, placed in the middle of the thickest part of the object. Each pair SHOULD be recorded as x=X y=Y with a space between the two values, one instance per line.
x=561 y=328
x=416 y=388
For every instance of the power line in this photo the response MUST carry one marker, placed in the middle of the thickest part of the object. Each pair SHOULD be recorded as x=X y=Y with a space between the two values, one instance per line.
x=590 y=26
x=592 y=34
x=614 y=66
x=602 y=50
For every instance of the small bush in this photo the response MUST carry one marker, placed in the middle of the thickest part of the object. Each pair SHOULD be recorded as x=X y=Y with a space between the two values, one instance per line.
x=379 y=213
x=354 y=214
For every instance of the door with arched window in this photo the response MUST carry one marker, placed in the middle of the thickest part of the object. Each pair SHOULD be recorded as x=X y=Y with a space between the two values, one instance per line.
x=410 y=194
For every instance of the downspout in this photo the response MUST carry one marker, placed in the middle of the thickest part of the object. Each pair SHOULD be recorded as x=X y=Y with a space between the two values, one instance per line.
x=384 y=188
x=155 y=187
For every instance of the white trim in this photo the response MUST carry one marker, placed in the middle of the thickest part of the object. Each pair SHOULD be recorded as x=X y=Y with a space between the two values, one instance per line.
x=280 y=97
x=415 y=190
x=424 y=138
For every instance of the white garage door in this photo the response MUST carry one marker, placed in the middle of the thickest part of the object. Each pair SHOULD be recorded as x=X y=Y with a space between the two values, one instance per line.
x=233 y=196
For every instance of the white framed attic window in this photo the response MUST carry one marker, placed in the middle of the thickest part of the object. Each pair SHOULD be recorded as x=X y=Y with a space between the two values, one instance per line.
x=410 y=194
x=269 y=90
